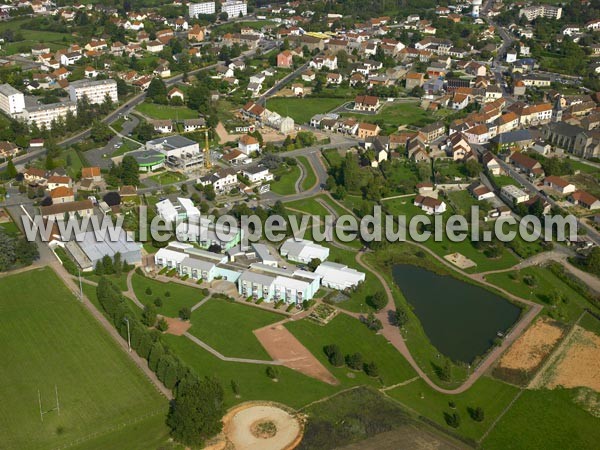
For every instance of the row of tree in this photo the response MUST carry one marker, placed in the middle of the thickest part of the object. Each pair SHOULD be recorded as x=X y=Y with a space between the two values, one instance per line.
x=16 y=251
x=195 y=413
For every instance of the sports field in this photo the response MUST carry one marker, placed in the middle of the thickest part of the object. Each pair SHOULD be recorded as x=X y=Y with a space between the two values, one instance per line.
x=49 y=340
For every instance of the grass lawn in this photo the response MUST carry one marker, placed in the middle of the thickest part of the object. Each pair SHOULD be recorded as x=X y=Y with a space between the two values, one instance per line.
x=503 y=180
x=292 y=388
x=178 y=296
x=352 y=336
x=545 y=284
x=583 y=167
x=53 y=341
x=543 y=419
x=73 y=162
x=125 y=147
x=309 y=206
x=310 y=178
x=164 y=112
x=302 y=109
x=286 y=184
x=119 y=281
x=590 y=323
x=404 y=206
x=227 y=327
x=333 y=157
x=392 y=115
x=165 y=177
x=10 y=228
x=489 y=394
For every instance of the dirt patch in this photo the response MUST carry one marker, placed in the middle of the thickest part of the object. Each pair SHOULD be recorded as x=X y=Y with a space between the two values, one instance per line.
x=283 y=346
x=577 y=364
x=255 y=426
x=460 y=261
x=177 y=327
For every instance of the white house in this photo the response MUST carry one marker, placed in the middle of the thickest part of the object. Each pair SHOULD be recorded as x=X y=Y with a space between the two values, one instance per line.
x=257 y=174
x=248 y=144
x=430 y=205
x=559 y=185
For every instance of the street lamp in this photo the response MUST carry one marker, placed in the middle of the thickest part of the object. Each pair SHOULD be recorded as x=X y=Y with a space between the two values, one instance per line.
x=128 y=334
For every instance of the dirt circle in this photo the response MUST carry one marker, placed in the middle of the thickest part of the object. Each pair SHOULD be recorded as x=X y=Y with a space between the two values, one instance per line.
x=262 y=427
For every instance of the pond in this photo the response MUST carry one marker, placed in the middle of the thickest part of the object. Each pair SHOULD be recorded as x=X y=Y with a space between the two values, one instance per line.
x=461 y=320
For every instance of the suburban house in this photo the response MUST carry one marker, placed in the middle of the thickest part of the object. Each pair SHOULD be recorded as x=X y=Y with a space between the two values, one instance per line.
x=491 y=164
x=222 y=181
x=59 y=211
x=55 y=181
x=366 y=103
x=248 y=144
x=584 y=199
x=430 y=205
x=559 y=185
x=62 y=194
x=480 y=191
x=284 y=59
x=91 y=173
x=431 y=132
x=257 y=174
x=366 y=130
x=526 y=164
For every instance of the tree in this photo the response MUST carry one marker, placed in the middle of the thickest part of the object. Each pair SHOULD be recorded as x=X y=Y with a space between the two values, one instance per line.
x=371 y=369
x=130 y=171
x=378 y=300
x=99 y=270
x=477 y=414
x=100 y=132
x=334 y=355
x=235 y=388
x=11 y=170
x=156 y=353
x=452 y=420
x=149 y=315
x=157 y=91
x=401 y=318
x=473 y=168
x=373 y=323
x=272 y=372
x=185 y=313
x=354 y=361
x=314 y=263
x=162 y=325
x=8 y=254
x=445 y=372
x=196 y=412
x=27 y=252
x=144 y=131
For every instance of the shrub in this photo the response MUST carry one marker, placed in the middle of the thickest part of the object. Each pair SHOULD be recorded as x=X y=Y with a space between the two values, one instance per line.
x=452 y=420
x=167 y=294
x=272 y=372
x=185 y=313
x=477 y=414
x=162 y=325
x=148 y=290
x=158 y=302
x=354 y=361
x=371 y=369
x=378 y=300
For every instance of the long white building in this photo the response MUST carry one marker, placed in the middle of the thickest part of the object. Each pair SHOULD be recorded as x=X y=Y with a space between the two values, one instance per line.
x=95 y=90
x=196 y=9
x=234 y=8
x=44 y=115
x=12 y=101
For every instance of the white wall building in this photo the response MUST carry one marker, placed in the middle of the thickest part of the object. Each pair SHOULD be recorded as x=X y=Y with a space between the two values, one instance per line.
x=257 y=174
x=195 y=9
x=303 y=251
x=95 y=90
x=339 y=276
x=234 y=8
x=43 y=115
x=180 y=151
x=12 y=101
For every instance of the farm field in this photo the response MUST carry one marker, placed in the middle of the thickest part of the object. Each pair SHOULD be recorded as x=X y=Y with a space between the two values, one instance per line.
x=302 y=109
x=352 y=336
x=164 y=112
x=53 y=341
x=174 y=296
x=543 y=419
x=227 y=327
x=491 y=395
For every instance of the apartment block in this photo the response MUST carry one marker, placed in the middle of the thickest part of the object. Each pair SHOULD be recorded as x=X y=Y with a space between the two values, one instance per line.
x=95 y=90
